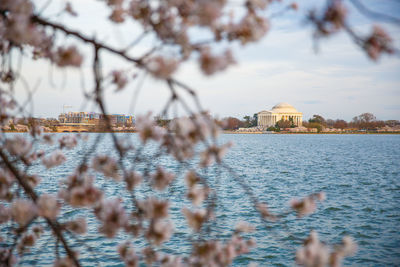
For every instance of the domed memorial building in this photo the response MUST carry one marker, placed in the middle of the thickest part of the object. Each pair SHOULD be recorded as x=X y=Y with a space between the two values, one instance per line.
x=282 y=111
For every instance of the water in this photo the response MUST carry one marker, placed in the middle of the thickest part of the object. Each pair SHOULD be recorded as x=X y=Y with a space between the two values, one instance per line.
x=359 y=173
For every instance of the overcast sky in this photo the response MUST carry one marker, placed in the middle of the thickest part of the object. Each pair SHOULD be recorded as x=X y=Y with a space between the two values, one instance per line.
x=338 y=81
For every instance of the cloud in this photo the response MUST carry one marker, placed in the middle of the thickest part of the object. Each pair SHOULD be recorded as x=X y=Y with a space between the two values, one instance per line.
x=312 y=102
x=338 y=82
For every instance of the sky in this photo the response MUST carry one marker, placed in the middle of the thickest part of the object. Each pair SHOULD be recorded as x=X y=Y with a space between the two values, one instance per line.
x=338 y=81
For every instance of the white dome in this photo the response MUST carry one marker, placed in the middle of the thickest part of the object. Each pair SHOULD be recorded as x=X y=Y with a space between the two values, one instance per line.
x=284 y=108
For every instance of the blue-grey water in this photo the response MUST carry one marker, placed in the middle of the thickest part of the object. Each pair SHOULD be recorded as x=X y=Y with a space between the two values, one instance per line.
x=360 y=175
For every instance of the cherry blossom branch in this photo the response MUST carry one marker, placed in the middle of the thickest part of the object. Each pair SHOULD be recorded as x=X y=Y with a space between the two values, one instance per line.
x=180 y=137
x=93 y=41
x=29 y=191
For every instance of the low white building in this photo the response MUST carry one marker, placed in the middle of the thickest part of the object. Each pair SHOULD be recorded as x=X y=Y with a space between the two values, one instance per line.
x=281 y=111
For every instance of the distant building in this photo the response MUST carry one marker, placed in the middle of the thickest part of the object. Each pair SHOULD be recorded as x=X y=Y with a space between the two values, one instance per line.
x=92 y=118
x=76 y=117
x=281 y=111
x=120 y=119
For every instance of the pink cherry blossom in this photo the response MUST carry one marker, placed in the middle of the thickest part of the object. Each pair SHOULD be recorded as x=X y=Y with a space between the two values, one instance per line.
x=316 y=253
x=159 y=231
x=22 y=211
x=347 y=248
x=115 y=2
x=213 y=154
x=128 y=255
x=33 y=180
x=132 y=179
x=106 y=165
x=211 y=64
x=261 y=4
x=191 y=179
x=119 y=79
x=112 y=216
x=68 y=141
x=244 y=227
x=5 y=214
x=208 y=12
x=336 y=14
x=378 y=42
x=80 y=191
x=118 y=15
x=48 y=139
x=161 y=67
x=161 y=179
x=7 y=255
x=27 y=240
x=250 y=29
x=150 y=255
x=147 y=128
x=307 y=205
x=6 y=182
x=86 y=195
x=69 y=56
x=196 y=218
x=313 y=253
x=264 y=211
x=18 y=146
x=197 y=194
x=48 y=206
x=68 y=8
x=167 y=260
x=294 y=6
x=55 y=159
x=153 y=208
x=78 y=226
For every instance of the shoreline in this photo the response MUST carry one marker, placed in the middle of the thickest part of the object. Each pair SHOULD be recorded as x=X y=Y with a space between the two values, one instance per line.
x=233 y=132
x=75 y=132
x=223 y=132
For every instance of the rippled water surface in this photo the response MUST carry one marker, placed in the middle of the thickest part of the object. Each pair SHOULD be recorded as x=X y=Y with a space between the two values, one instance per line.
x=359 y=173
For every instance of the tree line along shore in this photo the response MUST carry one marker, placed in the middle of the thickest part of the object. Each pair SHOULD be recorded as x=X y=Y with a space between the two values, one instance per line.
x=363 y=124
